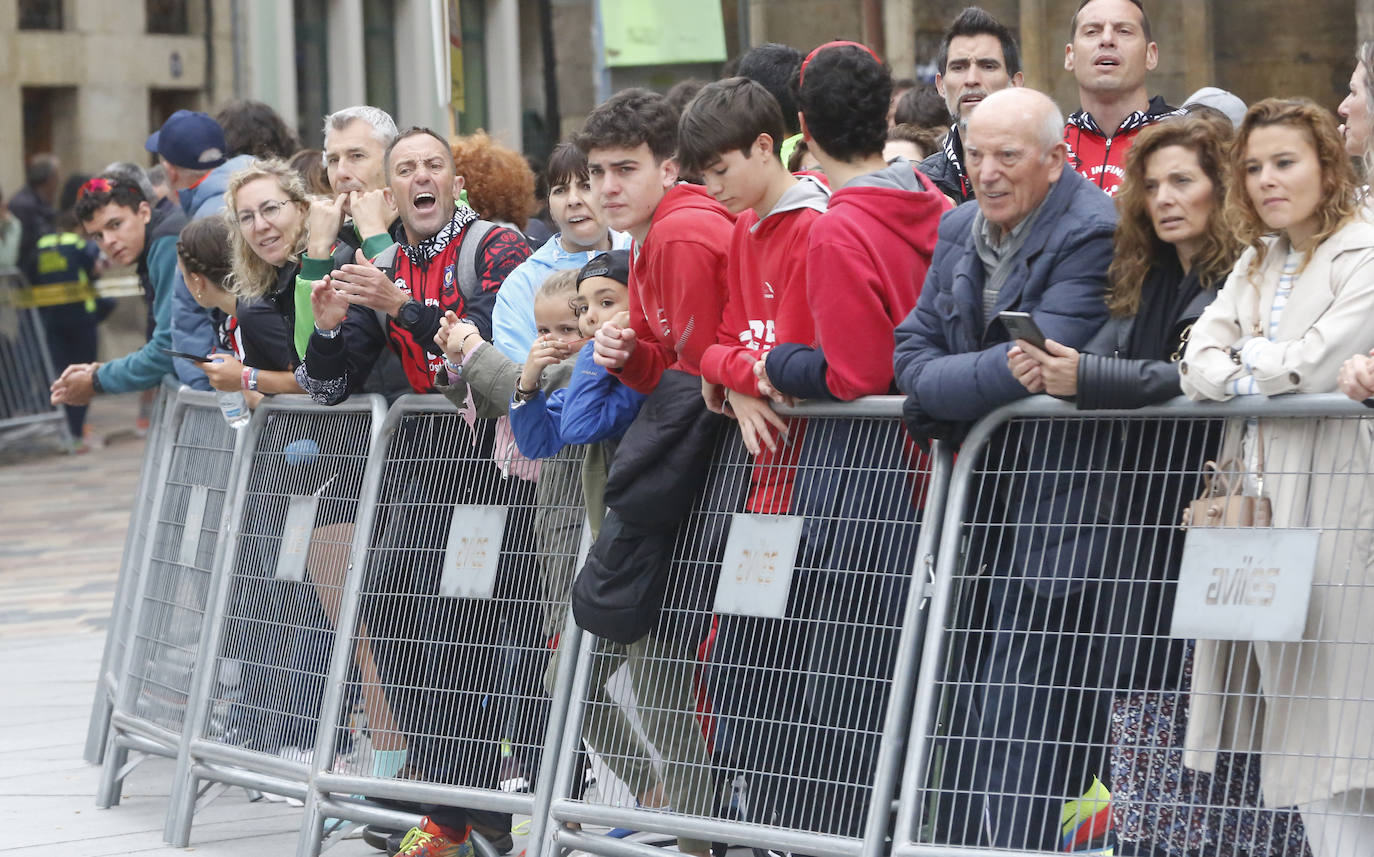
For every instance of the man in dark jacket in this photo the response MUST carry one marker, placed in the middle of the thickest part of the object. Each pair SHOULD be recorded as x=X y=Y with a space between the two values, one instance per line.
x=32 y=206
x=1110 y=51
x=978 y=56
x=1039 y=240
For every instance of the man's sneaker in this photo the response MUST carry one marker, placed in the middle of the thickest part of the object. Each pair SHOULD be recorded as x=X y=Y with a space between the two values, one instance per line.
x=431 y=840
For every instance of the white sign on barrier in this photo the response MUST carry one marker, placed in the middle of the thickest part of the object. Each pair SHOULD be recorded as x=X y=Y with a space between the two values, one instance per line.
x=194 y=523
x=473 y=551
x=1248 y=583
x=295 y=537
x=756 y=570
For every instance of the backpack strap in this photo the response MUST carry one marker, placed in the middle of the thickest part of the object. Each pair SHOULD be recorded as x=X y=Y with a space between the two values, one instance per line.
x=469 y=277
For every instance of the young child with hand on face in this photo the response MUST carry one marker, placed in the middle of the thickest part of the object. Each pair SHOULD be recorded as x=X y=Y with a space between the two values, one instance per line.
x=595 y=406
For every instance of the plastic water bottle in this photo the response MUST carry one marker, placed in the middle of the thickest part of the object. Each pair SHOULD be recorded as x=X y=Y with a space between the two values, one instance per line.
x=234 y=407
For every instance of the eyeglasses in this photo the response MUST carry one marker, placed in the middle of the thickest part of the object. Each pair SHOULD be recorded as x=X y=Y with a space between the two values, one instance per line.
x=269 y=211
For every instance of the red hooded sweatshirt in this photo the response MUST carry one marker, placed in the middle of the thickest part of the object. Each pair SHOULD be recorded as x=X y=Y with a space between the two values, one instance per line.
x=766 y=304
x=866 y=264
x=677 y=286
x=765 y=276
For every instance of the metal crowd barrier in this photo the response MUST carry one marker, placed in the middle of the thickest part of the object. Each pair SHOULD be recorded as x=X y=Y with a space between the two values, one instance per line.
x=26 y=370
x=263 y=662
x=130 y=569
x=1061 y=704
x=804 y=576
x=387 y=619
x=175 y=574
x=453 y=612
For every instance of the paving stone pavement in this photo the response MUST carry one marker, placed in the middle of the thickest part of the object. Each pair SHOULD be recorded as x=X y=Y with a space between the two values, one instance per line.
x=62 y=524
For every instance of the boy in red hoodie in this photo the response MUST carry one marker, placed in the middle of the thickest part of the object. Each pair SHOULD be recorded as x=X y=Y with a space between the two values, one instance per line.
x=677 y=285
x=731 y=134
x=869 y=254
x=677 y=271
x=859 y=492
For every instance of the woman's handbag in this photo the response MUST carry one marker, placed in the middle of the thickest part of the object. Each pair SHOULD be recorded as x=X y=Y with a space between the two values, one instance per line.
x=1222 y=504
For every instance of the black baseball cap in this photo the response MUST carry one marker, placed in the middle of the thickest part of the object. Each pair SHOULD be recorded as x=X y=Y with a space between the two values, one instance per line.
x=193 y=141
x=615 y=264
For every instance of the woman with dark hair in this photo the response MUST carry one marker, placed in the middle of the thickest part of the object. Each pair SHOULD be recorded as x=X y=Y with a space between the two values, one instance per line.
x=1297 y=303
x=581 y=236
x=1173 y=251
x=254 y=128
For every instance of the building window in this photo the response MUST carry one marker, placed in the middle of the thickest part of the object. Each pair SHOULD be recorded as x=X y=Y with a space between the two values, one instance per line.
x=40 y=14
x=312 y=69
x=379 y=39
x=168 y=17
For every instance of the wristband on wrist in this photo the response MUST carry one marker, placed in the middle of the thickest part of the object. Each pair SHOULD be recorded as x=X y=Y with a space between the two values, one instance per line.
x=523 y=395
x=331 y=333
x=462 y=346
x=95 y=381
x=250 y=379
x=454 y=370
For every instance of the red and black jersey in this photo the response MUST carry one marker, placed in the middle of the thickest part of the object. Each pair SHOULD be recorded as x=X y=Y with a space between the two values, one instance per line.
x=1101 y=159
x=430 y=273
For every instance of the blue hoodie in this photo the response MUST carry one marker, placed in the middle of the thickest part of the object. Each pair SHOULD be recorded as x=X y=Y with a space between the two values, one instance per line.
x=594 y=407
x=512 y=319
x=193 y=330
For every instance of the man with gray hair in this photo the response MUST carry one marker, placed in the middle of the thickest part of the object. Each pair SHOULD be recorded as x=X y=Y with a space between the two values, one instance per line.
x=1038 y=241
x=360 y=216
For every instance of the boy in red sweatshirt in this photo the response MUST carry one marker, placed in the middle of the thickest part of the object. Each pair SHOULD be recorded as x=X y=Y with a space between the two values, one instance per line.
x=859 y=491
x=677 y=285
x=677 y=271
x=731 y=134
x=869 y=254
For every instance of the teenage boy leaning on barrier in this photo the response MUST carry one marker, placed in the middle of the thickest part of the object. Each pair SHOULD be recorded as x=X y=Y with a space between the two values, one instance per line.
x=123 y=222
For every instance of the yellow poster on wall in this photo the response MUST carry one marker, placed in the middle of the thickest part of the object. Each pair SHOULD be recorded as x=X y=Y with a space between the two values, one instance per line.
x=457 y=93
x=650 y=32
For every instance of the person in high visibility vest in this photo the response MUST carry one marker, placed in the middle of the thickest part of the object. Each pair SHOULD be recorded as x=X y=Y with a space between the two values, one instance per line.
x=63 y=292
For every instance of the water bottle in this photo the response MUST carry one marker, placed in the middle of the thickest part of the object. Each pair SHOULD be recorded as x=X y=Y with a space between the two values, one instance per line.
x=234 y=407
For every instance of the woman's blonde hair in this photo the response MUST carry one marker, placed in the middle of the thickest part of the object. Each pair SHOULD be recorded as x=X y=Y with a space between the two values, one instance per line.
x=252 y=276
x=1338 y=201
x=1138 y=246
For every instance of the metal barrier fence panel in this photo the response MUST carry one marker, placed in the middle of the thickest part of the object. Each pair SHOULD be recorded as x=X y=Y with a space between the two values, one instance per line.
x=268 y=637
x=169 y=606
x=130 y=566
x=26 y=370
x=455 y=608
x=762 y=709
x=1097 y=678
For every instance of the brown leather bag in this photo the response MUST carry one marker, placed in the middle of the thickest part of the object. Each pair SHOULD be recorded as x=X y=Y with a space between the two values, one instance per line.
x=1222 y=504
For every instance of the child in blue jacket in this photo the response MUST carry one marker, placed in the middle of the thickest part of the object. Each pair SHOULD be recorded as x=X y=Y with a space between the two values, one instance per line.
x=595 y=406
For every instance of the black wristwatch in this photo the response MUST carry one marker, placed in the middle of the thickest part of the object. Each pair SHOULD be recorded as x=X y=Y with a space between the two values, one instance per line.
x=410 y=314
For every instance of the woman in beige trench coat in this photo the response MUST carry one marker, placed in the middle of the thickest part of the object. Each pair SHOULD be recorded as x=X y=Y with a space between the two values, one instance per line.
x=1299 y=302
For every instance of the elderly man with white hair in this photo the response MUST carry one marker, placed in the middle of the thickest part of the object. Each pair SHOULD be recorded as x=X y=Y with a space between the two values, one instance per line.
x=1037 y=240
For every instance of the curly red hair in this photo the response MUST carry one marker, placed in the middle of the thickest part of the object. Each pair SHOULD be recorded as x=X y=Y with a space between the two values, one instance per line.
x=500 y=184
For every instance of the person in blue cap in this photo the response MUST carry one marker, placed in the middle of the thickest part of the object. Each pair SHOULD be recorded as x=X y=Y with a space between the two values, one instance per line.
x=193 y=154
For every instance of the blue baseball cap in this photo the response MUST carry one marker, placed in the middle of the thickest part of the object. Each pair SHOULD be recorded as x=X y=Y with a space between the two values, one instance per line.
x=190 y=140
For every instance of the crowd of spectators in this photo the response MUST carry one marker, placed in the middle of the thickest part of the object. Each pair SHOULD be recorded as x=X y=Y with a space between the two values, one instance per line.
x=807 y=230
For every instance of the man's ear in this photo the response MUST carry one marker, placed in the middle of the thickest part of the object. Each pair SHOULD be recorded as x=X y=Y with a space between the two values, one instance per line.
x=668 y=172
x=763 y=144
x=1068 y=57
x=801 y=123
x=458 y=184
x=1018 y=79
x=145 y=212
x=1151 y=56
x=940 y=84
x=391 y=197
x=1055 y=159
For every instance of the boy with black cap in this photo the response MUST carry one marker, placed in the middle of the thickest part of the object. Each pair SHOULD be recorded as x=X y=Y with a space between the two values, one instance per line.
x=192 y=152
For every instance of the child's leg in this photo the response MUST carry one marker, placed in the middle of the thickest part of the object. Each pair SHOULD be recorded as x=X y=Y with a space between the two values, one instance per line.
x=661 y=673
